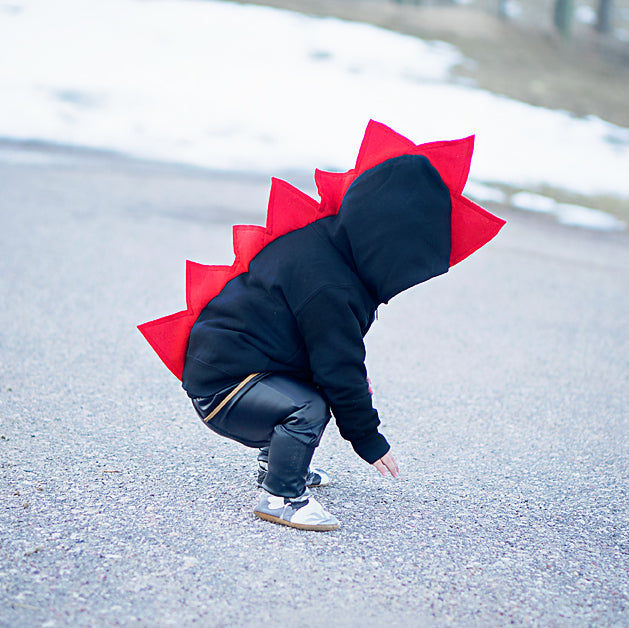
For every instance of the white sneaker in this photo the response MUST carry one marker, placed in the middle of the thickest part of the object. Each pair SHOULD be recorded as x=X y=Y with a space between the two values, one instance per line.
x=317 y=478
x=304 y=512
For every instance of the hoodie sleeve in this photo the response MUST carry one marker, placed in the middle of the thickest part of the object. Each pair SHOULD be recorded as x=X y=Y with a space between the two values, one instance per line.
x=331 y=330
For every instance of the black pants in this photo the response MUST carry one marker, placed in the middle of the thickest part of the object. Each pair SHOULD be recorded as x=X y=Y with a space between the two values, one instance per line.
x=284 y=414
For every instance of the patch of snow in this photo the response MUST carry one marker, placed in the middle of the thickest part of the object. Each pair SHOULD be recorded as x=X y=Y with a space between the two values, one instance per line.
x=585 y=14
x=512 y=9
x=231 y=86
x=578 y=216
x=533 y=202
x=483 y=193
x=621 y=34
x=30 y=157
x=567 y=214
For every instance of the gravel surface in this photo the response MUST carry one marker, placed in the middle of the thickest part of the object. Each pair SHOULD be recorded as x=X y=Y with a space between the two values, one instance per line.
x=503 y=387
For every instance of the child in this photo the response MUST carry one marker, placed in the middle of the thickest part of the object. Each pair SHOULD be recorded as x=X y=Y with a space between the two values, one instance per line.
x=282 y=342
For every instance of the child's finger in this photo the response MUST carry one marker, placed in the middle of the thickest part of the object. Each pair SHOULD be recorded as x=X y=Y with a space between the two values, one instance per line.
x=381 y=467
x=391 y=464
x=395 y=471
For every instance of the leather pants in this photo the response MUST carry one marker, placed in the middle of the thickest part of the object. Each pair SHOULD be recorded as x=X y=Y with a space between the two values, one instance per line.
x=282 y=413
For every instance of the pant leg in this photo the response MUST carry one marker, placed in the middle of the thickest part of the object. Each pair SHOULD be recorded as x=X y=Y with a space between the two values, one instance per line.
x=285 y=414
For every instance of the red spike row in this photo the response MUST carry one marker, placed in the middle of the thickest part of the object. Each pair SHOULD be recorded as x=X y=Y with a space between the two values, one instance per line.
x=205 y=282
x=471 y=227
x=289 y=209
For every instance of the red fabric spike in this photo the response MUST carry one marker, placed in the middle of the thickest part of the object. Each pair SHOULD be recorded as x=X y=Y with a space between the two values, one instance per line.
x=332 y=187
x=204 y=282
x=169 y=338
x=289 y=209
x=379 y=144
x=248 y=242
x=452 y=160
x=472 y=227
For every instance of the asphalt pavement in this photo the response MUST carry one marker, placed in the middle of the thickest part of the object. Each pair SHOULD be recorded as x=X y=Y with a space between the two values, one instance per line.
x=503 y=387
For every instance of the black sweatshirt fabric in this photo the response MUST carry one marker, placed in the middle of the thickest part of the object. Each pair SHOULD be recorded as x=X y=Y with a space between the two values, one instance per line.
x=309 y=297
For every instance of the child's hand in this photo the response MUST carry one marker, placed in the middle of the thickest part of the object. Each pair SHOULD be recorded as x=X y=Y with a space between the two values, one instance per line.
x=387 y=463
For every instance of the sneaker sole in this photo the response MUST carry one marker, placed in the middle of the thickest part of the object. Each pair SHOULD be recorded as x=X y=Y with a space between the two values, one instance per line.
x=300 y=526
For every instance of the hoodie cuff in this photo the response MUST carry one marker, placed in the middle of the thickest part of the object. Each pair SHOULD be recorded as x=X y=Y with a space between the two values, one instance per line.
x=371 y=448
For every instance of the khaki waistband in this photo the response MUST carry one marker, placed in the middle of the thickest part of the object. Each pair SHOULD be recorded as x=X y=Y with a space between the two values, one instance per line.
x=229 y=397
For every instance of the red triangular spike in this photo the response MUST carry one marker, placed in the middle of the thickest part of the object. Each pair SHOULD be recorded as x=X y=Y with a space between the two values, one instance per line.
x=451 y=159
x=203 y=283
x=248 y=242
x=289 y=209
x=379 y=144
x=169 y=338
x=332 y=187
x=471 y=227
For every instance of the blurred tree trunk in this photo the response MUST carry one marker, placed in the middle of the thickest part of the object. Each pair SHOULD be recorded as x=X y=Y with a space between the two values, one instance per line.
x=604 y=16
x=563 y=16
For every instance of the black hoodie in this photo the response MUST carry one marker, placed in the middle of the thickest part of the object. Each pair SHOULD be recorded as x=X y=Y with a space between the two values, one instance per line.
x=310 y=296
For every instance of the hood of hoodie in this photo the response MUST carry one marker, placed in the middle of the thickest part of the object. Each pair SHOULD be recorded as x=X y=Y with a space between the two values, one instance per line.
x=393 y=226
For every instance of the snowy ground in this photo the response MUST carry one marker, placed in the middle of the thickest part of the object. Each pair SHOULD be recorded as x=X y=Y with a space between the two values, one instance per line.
x=242 y=87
